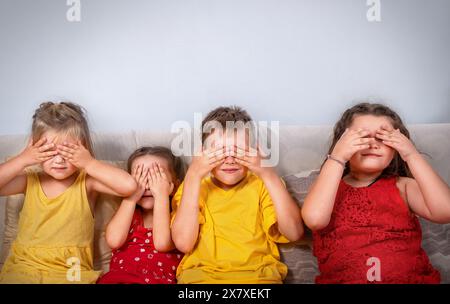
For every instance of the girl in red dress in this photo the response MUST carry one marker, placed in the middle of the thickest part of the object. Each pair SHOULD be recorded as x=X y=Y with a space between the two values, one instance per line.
x=364 y=205
x=139 y=232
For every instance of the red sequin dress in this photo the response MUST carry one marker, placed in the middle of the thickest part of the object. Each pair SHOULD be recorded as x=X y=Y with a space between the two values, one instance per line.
x=367 y=223
x=138 y=262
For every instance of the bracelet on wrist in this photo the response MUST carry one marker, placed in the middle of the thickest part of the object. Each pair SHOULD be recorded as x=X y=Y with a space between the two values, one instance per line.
x=336 y=160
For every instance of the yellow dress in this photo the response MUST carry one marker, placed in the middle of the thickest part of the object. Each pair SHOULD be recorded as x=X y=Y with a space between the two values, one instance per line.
x=54 y=243
x=237 y=237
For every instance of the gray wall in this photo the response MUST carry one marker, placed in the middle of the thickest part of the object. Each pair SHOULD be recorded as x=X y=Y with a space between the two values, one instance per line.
x=142 y=64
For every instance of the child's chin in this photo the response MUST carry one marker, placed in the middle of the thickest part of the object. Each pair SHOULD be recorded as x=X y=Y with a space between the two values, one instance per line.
x=60 y=176
x=147 y=202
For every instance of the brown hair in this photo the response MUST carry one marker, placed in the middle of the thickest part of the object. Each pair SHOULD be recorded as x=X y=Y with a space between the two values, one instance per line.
x=223 y=114
x=66 y=117
x=397 y=166
x=175 y=163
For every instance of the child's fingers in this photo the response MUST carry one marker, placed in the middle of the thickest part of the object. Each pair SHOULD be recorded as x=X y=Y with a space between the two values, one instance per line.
x=40 y=142
x=361 y=147
x=153 y=174
x=361 y=141
x=359 y=134
x=243 y=162
x=393 y=138
x=66 y=149
x=158 y=170
x=215 y=154
x=162 y=172
x=216 y=163
x=70 y=145
x=149 y=179
x=44 y=158
x=387 y=127
x=65 y=154
x=390 y=143
x=48 y=154
x=141 y=170
x=241 y=152
x=133 y=172
x=142 y=178
x=214 y=151
x=216 y=159
x=46 y=147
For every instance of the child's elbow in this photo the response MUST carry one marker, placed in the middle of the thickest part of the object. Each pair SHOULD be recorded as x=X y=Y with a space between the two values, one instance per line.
x=314 y=221
x=299 y=234
x=184 y=248
x=128 y=188
x=114 y=242
x=441 y=219
x=183 y=245
x=163 y=246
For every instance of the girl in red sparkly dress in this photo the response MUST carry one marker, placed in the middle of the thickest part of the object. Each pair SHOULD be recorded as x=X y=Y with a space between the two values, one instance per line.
x=363 y=208
x=139 y=232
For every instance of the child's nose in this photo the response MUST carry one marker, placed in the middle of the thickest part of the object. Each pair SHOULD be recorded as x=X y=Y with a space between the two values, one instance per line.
x=230 y=160
x=373 y=143
x=58 y=159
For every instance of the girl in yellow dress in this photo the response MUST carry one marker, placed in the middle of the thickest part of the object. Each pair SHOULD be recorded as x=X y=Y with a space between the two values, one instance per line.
x=54 y=243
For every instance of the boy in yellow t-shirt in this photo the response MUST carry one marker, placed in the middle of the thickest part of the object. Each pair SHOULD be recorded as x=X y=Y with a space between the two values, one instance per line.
x=230 y=211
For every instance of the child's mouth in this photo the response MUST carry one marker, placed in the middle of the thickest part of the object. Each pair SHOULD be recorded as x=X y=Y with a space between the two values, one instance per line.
x=230 y=171
x=371 y=155
x=59 y=168
x=147 y=194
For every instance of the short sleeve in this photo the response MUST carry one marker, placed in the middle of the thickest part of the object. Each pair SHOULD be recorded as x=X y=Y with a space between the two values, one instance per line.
x=270 y=217
x=176 y=201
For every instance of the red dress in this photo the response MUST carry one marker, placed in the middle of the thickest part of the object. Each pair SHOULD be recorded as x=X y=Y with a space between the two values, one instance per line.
x=138 y=262
x=372 y=222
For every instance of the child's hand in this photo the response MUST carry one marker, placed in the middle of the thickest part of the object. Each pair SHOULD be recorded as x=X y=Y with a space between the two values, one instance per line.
x=37 y=153
x=250 y=158
x=396 y=140
x=208 y=160
x=141 y=176
x=159 y=183
x=77 y=154
x=351 y=142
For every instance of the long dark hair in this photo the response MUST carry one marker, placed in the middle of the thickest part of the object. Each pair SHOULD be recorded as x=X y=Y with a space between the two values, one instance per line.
x=397 y=166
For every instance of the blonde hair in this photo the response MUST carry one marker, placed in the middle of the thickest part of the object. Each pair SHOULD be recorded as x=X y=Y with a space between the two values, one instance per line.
x=65 y=117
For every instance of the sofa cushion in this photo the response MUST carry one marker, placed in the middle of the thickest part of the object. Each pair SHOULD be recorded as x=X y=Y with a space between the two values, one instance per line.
x=302 y=265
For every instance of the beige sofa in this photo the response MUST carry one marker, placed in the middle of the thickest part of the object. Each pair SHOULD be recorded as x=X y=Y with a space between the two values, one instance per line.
x=302 y=149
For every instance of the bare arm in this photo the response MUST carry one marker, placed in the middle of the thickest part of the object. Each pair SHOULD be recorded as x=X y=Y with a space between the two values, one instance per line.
x=109 y=179
x=185 y=226
x=13 y=179
x=105 y=178
x=161 y=188
x=289 y=220
x=428 y=195
x=319 y=202
x=119 y=226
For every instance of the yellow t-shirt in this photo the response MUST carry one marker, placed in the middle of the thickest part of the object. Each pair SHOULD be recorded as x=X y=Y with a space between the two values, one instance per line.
x=237 y=236
x=54 y=243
